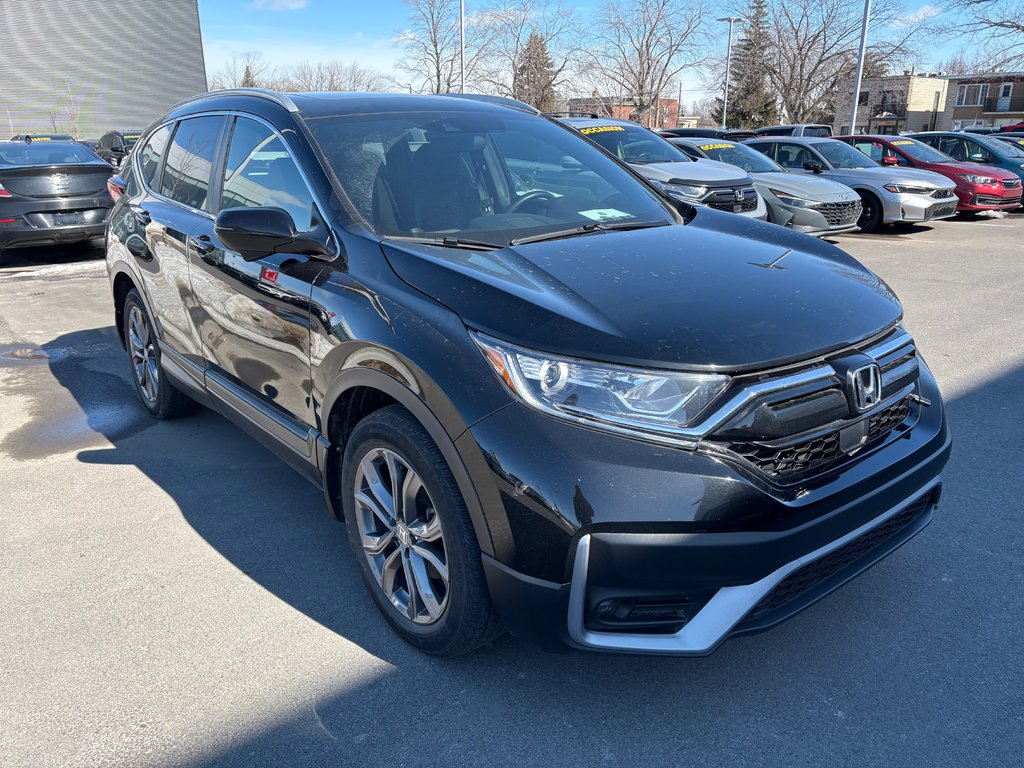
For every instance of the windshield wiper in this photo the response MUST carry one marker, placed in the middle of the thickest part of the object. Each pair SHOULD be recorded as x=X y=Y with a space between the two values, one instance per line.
x=448 y=242
x=588 y=228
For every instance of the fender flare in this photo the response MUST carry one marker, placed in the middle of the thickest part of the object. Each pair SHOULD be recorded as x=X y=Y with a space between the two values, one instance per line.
x=404 y=396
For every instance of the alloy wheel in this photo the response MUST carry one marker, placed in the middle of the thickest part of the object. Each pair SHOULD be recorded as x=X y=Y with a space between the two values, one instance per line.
x=401 y=535
x=143 y=354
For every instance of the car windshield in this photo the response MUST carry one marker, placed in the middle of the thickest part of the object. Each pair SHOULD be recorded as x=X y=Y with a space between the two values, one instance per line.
x=18 y=153
x=741 y=155
x=1004 y=148
x=921 y=151
x=818 y=131
x=487 y=177
x=130 y=139
x=840 y=155
x=633 y=144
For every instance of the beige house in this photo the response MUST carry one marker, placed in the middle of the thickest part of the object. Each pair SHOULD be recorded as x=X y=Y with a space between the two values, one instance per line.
x=894 y=103
x=990 y=100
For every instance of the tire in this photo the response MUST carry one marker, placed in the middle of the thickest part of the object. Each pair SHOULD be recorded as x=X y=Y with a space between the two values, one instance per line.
x=156 y=391
x=395 y=547
x=871 y=216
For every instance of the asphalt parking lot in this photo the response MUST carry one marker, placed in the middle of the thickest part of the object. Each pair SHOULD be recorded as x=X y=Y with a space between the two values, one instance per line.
x=174 y=596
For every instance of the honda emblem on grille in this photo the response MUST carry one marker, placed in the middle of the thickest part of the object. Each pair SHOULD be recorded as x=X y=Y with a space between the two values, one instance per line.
x=739 y=195
x=867 y=387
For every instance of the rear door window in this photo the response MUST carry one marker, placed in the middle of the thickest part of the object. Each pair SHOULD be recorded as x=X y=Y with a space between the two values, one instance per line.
x=152 y=155
x=190 y=159
x=260 y=172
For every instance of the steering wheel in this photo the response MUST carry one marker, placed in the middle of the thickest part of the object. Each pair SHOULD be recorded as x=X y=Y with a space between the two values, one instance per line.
x=532 y=196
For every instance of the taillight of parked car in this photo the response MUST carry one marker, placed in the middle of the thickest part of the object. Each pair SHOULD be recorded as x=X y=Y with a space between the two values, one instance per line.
x=115 y=186
x=4 y=192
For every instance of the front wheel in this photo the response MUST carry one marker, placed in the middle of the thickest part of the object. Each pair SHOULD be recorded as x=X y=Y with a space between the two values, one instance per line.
x=871 y=212
x=412 y=538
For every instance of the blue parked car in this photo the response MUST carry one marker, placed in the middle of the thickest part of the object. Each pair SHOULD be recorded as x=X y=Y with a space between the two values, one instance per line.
x=976 y=148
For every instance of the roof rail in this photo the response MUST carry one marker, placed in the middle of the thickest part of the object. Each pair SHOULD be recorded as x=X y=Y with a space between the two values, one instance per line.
x=278 y=98
x=574 y=113
x=501 y=101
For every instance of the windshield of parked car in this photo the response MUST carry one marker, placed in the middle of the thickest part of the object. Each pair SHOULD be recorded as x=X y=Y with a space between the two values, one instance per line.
x=921 y=151
x=840 y=155
x=633 y=144
x=130 y=139
x=817 y=131
x=18 y=153
x=1004 y=148
x=480 y=176
x=740 y=155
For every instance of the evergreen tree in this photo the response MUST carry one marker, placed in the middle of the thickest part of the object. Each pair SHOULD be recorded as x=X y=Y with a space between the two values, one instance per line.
x=248 y=78
x=752 y=102
x=533 y=80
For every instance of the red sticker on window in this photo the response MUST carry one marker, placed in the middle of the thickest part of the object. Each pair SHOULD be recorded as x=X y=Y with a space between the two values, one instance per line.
x=268 y=275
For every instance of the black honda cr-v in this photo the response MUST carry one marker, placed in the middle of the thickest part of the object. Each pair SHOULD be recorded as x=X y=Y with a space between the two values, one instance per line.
x=540 y=395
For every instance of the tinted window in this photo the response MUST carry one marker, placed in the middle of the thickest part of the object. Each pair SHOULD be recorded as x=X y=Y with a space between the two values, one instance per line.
x=818 y=131
x=152 y=155
x=739 y=155
x=129 y=139
x=186 y=176
x=1001 y=147
x=920 y=151
x=44 y=153
x=260 y=172
x=486 y=175
x=105 y=141
x=633 y=144
x=840 y=155
x=795 y=155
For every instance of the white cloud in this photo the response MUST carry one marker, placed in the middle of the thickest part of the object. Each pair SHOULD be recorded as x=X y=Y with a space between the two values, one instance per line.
x=278 y=5
x=925 y=12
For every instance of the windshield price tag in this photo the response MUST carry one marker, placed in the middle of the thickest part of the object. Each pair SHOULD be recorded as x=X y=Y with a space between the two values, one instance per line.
x=605 y=214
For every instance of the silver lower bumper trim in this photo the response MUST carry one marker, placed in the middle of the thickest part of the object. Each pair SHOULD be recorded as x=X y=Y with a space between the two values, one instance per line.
x=717 y=618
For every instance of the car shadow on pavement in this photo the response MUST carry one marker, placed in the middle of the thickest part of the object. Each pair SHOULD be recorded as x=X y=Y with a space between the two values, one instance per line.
x=816 y=690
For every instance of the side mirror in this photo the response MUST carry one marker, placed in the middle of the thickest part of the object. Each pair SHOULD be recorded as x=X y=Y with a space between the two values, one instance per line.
x=815 y=167
x=978 y=157
x=890 y=160
x=259 y=232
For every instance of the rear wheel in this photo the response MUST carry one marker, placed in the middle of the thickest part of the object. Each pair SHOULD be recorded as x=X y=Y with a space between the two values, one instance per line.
x=158 y=394
x=412 y=538
x=871 y=212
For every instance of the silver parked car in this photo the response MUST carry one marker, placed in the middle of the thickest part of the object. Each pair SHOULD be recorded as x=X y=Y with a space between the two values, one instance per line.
x=704 y=182
x=808 y=204
x=888 y=194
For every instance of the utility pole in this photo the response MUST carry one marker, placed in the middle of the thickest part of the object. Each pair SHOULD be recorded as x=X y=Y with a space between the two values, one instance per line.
x=679 y=105
x=728 y=66
x=860 y=68
x=462 y=46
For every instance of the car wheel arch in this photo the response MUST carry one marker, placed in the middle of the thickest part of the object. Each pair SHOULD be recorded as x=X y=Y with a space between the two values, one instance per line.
x=357 y=392
x=122 y=282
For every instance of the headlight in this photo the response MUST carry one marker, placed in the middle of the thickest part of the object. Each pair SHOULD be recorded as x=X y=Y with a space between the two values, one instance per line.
x=797 y=202
x=687 y=192
x=618 y=398
x=974 y=179
x=904 y=189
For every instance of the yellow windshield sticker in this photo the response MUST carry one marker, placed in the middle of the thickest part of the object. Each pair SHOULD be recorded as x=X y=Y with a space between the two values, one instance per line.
x=131 y=135
x=602 y=129
x=41 y=138
x=901 y=143
x=723 y=145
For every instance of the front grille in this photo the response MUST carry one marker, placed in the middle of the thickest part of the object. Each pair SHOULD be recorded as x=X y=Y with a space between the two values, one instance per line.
x=995 y=200
x=818 y=453
x=725 y=199
x=824 y=568
x=1011 y=183
x=940 y=211
x=839 y=213
x=942 y=194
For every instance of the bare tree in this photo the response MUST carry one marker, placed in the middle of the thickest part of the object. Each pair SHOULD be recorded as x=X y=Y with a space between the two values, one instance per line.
x=814 y=47
x=994 y=29
x=249 y=69
x=516 y=32
x=640 y=46
x=431 y=45
x=335 y=76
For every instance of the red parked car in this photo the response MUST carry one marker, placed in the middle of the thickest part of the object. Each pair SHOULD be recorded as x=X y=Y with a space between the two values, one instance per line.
x=979 y=187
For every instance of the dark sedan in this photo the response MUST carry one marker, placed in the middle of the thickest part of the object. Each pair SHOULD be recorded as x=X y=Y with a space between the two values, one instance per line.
x=51 y=192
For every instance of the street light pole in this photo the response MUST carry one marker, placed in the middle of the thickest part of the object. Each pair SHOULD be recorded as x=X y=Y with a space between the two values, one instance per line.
x=860 y=67
x=462 y=46
x=728 y=66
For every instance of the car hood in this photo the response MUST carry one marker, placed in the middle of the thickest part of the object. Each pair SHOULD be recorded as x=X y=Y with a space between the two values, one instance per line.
x=808 y=187
x=700 y=172
x=991 y=171
x=699 y=295
x=883 y=175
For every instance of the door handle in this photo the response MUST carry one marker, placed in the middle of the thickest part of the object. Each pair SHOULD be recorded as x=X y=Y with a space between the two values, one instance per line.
x=143 y=217
x=201 y=245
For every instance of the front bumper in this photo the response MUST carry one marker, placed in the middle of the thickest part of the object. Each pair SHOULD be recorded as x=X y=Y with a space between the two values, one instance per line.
x=907 y=207
x=990 y=201
x=656 y=526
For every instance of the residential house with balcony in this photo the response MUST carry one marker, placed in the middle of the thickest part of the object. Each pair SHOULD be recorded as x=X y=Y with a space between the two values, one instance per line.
x=989 y=100
x=893 y=103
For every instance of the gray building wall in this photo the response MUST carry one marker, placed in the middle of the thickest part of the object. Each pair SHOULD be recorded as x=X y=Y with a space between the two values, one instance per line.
x=90 y=66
